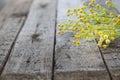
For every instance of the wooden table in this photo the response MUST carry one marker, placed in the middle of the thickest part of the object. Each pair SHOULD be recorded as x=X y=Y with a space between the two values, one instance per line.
x=30 y=49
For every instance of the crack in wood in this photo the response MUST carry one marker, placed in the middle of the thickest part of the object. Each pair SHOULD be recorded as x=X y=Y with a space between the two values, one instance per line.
x=19 y=14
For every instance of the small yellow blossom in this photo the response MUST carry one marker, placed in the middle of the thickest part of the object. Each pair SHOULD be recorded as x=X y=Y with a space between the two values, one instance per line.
x=98 y=6
x=60 y=32
x=90 y=4
x=101 y=39
x=91 y=10
x=104 y=46
x=111 y=14
x=68 y=10
x=106 y=19
x=82 y=31
x=81 y=10
x=77 y=35
x=105 y=36
x=74 y=42
x=74 y=9
x=112 y=33
x=100 y=33
x=93 y=0
x=107 y=41
x=119 y=16
x=112 y=38
x=83 y=7
x=78 y=42
x=68 y=14
x=99 y=43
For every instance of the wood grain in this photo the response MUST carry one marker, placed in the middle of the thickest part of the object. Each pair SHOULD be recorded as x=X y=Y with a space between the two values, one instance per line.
x=73 y=62
x=15 y=8
x=112 y=55
x=112 y=59
x=10 y=27
x=31 y=57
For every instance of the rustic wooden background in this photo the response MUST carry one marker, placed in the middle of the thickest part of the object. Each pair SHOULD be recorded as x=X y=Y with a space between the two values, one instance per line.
x=30 y=49
x=3 y=3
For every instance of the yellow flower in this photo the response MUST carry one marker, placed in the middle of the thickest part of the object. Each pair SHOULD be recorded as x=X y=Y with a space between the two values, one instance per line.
x=119 y=16
x=93 y=0
x=99 y=43
x=104 y=46
x=68 y=10
x=107 y=41
x=78 y=9
x=77 y=35
x=82 y=31
x=89 y=25
x=60 y=25
x=74 y=42
x=107 y=2
x=90 y=4
x=112 y=33
x=91 y=10
x=83 y=7
x=73 y=28
x=106 y=19
x=95 y=13
x=111 y=14
x=100 y=33
x=98 y=6
x=78 y=42
x=60 y=32
x=74 y=25
x=112 y=38
x=74 y=9
x=85 y=21
x=118 y=21
x=81 y=10
x=101 y=39
x=108 y=26
x=105 y=36
x=60 y=28
x=68 y=14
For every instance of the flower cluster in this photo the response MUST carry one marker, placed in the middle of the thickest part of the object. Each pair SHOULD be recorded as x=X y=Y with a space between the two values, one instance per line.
x=93 y=21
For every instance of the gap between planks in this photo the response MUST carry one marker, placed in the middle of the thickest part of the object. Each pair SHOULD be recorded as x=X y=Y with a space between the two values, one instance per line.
x=53 y=64
x=11 y=26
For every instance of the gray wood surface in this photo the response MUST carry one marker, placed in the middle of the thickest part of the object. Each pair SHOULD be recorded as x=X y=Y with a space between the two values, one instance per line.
x=31 y=57
x=112 y=55
x=30 y=54
x=112 y=59
x=73 y=62
x=10 y=26
x=15 y=8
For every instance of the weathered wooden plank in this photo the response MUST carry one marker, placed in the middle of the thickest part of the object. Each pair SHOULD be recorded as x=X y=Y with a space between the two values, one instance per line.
x=112 y=59
x=7 y=36
x=31 y=57
x=10 y=27
x=3 y=3
x=16 y=8
x=73 y=62
x=112 y=55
